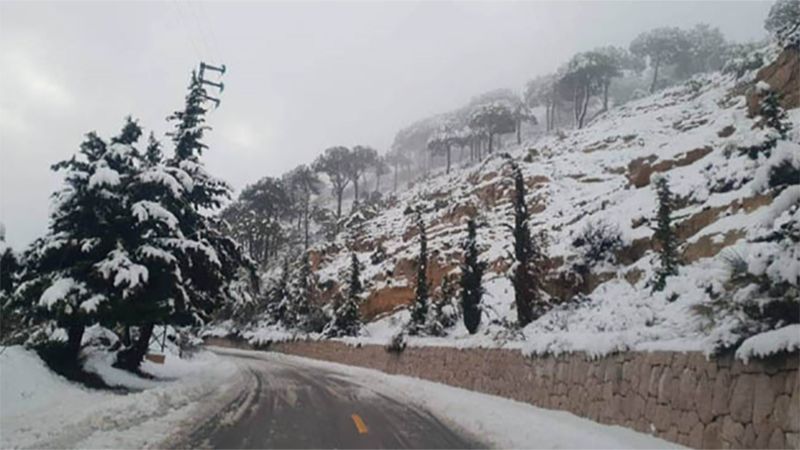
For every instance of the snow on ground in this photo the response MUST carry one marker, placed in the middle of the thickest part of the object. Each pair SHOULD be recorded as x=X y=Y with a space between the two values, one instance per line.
x=40 y=409
x=502 y=422
x=576 y=178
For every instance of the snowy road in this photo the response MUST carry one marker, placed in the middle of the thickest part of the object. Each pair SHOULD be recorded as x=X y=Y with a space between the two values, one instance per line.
x=283 y=401
x=287 y=403
x=240 y=399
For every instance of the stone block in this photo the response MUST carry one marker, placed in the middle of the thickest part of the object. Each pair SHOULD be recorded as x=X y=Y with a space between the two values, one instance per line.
x=722 y=392
x=696 y=436
x=749 y=436
x=665 y=386
x=764 y=397
x=777 y=440
x=687 y=384
x=687 y=421
x=792 y=422
x=711 y=435
x=652 y=385
x=732 y=432
x=663 y=419
x=703 y=398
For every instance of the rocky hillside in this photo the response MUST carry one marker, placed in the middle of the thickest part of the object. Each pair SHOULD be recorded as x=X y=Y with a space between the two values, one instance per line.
x=602 y=175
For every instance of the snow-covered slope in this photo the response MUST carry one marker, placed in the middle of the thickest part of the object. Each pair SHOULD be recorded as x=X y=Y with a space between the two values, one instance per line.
x=603 y=173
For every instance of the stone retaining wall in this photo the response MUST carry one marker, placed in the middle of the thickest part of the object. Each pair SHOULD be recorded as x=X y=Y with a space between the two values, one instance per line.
x=681 y=397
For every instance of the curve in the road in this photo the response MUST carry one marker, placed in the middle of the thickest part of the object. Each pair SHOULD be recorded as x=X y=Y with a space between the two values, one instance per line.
x=287 y=405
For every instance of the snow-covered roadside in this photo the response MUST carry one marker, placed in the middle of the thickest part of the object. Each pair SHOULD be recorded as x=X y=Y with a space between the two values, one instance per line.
x=42 y=410
x=502 y=422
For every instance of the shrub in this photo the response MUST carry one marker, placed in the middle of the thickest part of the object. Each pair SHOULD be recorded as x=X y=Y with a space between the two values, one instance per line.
x=598 y=242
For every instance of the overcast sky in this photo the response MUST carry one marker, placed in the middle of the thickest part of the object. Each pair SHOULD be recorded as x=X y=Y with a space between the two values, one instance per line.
x=302 y=76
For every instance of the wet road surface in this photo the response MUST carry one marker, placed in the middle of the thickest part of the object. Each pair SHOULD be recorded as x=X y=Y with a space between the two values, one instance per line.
x=285 y=404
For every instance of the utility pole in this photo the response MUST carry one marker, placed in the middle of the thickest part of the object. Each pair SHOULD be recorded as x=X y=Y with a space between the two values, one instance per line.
x=219 y=85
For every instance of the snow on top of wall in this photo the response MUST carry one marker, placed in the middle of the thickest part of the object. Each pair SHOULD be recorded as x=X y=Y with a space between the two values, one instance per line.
x=786 y=339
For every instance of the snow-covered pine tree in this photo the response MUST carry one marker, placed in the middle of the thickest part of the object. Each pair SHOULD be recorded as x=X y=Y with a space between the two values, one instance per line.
x=304 y=289
x=78 y=272
x=419 y=310
x=441 y=314
x=529 y=259
x=346 y=319
x=471 y=280
x=279 y=307
x=664 y=234
x=10 y=268
x=206 y=257
x=773 y=119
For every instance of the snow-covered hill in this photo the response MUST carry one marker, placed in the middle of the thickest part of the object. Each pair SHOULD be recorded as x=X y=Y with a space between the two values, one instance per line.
x=602 y=174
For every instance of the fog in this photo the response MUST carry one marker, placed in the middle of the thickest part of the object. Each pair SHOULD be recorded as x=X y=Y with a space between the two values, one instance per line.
x=302 y=76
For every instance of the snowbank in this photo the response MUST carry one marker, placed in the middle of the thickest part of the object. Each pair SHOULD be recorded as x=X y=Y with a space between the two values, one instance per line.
x=41 y=409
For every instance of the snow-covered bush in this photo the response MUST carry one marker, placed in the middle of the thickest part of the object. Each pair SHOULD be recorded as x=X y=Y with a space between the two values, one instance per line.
x=397 y=343
x=598 y=243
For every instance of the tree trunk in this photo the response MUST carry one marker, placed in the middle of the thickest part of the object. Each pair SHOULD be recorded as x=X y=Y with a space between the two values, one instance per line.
x=306 y=215
x=131 y=358
x=448 y=160
x=491 y=141
x=126 y=335
x=74 y=338
x=655 y=75
x=339 y=203
x=584 y=107
x=395 y=177
x=519 y=131
x=355 y=187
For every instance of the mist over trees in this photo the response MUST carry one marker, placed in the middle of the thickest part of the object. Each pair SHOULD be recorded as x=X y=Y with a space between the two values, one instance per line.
x=288 y=214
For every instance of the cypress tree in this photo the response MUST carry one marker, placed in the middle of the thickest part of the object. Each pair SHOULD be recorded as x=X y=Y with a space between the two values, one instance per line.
x=528 y=269
x=665 y=235
x=419 y=311
x=471 y=278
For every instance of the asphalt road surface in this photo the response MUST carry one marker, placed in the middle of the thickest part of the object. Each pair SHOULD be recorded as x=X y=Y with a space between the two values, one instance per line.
x=285 y=404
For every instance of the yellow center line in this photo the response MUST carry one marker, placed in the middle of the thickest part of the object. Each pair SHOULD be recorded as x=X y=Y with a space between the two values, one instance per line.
x=360 y=425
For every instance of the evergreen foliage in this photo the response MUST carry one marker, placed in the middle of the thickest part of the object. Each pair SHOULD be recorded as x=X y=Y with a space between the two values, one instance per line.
x=471 y=280
x=128 y=244
x=773 y=119
x=419 y=310
x=442 y=314
x=529 y=259
x=304 y=292
x=783 y=22
x=664 y=235
x=346 y=320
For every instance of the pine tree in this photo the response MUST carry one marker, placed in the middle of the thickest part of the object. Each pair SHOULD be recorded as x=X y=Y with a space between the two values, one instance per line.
x=529 y=259
x=207 y=258
x=190 y=262
x=775 y=121
x=346 y=319
x=665 y=235
x=279 y=307
x=471 y=280
x=441 y=315
x=79 y=271
x=308 y=314
x=419 y=310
